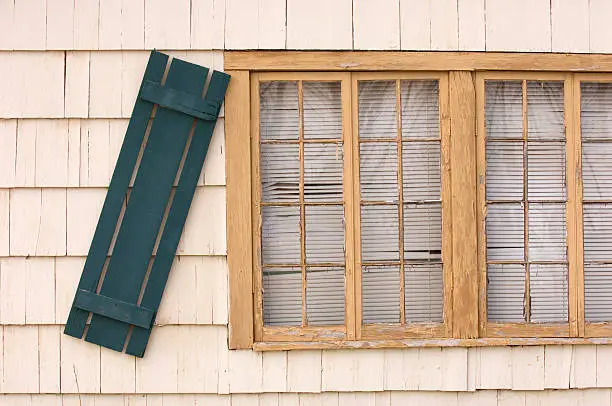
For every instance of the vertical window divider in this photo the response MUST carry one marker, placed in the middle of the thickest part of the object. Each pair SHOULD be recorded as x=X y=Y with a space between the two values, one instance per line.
x=527 y=297
x=358 y=288
x=481 y=211
x=302 y=206
x=574 y=209
x=350 y=228
x=400 y=188
x=256 y=209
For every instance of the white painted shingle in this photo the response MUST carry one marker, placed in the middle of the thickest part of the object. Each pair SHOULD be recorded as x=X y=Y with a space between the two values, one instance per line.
x=80 y=366
x=167 y=24
x=415 y=25
x=29 y=24
x=600 y=29
x=504 y=19
x=376 y=24
x=20 y=372
x=471 y=25
x=444 y=25
x=570 y=25
x=4 y=222
x=319 y=24
x=207 y=24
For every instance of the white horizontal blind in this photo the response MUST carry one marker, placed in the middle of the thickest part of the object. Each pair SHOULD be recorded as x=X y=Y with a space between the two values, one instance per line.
x=527 y=269
x=596 y=128
x=302 y=214
x=401 y=216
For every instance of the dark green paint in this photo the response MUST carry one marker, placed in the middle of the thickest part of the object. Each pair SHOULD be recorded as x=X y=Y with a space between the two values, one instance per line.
x=114 y=309
x=184 y=102
x=178 y=212
x=115 y=196
x=145 y=210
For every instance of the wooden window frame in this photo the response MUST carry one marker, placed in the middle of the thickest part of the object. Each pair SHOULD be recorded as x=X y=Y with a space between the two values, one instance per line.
x=463 y=120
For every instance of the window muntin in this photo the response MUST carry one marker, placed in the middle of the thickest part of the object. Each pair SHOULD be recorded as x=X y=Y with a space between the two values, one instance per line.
x=305 y=181
x=596 y=140
x=527 y=265
x=302 y=206
x=578 y=241
x=401 y=214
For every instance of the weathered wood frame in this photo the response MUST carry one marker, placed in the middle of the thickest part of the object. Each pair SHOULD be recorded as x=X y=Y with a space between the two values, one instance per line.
x=465 y=103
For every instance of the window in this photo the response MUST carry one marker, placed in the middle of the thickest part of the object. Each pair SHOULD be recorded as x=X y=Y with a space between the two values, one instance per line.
x=348 y=216
x=390 y=208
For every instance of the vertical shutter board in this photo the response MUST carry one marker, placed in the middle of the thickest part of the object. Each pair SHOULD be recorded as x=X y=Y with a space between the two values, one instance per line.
x=379 y=233
x=505 y=232
x=113 y=202
x=378 y=171
x=323 y=165
x=504 y=109
x=325 y=296
x=504 y=173
x=598 y=290
x=280 y=235
x=505 y=292
x=278 y=110
x=546 y=171
x=280 y=172
x=547 y=232
x=282 y=296
x=597 y=170
x=324 y=234
x=548 y=292
x=596 y=110
x=377 y=109
x=420 y=109
x=545 y=110
x=322 y=110
x=381 y=294
x=423 y=232
x=423 y=292
x=421 y=171
x=597 y=232
x=148 y=200
x=181 y=202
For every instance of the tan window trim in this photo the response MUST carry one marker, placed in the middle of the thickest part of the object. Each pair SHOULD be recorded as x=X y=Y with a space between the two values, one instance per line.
x=468 y=322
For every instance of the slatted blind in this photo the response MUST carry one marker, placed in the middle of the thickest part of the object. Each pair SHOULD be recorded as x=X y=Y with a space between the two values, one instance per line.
x=302 y=206
x=526 y=237
x=596 y=127
x=400 y=190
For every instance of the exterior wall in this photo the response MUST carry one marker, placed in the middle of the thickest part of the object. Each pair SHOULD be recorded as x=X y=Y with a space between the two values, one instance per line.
x=64 y=106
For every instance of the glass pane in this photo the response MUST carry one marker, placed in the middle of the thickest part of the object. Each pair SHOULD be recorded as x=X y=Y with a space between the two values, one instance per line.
x=323 y=172
x=420 y=109
x=324 y=234
x=545 y=110
x=548 y=285
x=598 y=292
x=421 y=171
x=378 y=171
x=424 y=293
x=505 y=292
x=504 y=109
x=280 y=173
x=282 y=296
x=322 y=110
x=325 y=296
x=505 y=232
x=280 y=233
x=379 y=233
x=597 y=170
x=546 y=171
x=504 y=171
x=381 y=294
x=377 y=109
x=597 y=232
x=279 y=112
x=547 y=232
x=596 y=110
x=423 y=232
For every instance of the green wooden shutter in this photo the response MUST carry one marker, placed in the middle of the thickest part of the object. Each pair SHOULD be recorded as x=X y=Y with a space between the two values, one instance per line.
x=115 y=303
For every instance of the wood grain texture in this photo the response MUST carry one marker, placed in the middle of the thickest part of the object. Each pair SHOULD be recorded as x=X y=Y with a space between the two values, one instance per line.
x=557 y=366
x=239 y=238
x=463 y=184
x=428 y=61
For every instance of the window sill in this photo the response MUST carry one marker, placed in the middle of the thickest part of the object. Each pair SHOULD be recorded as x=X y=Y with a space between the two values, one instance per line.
x=415 y=343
